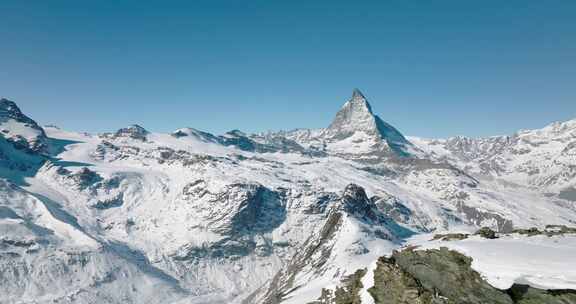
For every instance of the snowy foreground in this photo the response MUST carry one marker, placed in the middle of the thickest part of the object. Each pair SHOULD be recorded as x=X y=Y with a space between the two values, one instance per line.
x=134 y=216
x=539 y=261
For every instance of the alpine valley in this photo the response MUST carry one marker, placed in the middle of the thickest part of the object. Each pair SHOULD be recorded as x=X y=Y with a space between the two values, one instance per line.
x=353 y=213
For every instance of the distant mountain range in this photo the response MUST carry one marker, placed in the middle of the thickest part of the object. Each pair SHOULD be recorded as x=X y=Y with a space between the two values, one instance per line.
x=299 y=216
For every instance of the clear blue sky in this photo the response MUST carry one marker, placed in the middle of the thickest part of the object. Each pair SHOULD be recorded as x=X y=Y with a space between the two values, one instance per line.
x=431 y=68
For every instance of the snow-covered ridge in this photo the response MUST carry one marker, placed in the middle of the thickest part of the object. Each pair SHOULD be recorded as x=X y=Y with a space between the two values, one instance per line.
x=19 y=129
x=543 y=158
x=216 y=218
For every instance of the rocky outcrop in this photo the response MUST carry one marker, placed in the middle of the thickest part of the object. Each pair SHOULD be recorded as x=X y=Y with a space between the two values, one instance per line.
x=134 y=131
x=20 y=130
x=348 y=293
x=524 y=294
x=261 y=143
x=442 y=276
x=241 y=215
x=431 y=276
x=313 y=257
x=310 y=258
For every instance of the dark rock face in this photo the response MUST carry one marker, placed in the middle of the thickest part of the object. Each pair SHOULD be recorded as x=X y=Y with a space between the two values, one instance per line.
x=10 y=111
x=313 y=255
x=261 y=211
x=86 y=177
x=451 y=236
x=113 y=202
x=487 y=233
x=476 y=217
x=393 y=208
x=355 y=202
x=134 y=132
x=523 y=294
x=550 y=230
x=349 y=293
x=322 y=202
x=254 y=211
x=241 y=141
x=260 y=144
x=449 y=273
x=357 y=116
x=432 y=276
x=442 y=276
x=393 y=285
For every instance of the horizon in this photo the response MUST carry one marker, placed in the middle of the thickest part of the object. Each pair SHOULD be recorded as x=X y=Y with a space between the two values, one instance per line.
x=279 y=130
x=430 y=70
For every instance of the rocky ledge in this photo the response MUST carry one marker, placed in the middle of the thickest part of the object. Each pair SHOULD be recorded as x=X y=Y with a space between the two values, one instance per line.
x=436 y=276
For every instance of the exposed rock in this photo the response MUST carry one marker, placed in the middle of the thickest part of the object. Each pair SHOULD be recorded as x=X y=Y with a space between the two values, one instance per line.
x=84 y=178
x=268 y=143
x=20 y=130
x=432 y=276
x=524 y=294
x=112 y=202
x=393 y=208
x=528 y=231
x=478 y=217
x=356 y=116
x=487 y=233
x=348 y=293
x=550 y=230
x=451 y=236
x=133 y=131
x=246 y=213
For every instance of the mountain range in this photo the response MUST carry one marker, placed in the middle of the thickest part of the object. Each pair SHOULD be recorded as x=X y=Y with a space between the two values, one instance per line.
x=135 y=216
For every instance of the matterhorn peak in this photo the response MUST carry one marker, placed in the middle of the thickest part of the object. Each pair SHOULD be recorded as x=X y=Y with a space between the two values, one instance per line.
x=355 y=114
x=356 y=119
x=357 y=95
x=359 y=102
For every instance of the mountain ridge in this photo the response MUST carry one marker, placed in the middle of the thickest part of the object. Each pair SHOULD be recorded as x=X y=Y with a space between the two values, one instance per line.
x=253 y=218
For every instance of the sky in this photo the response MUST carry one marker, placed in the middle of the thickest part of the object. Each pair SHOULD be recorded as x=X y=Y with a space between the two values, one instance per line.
x=430 y=68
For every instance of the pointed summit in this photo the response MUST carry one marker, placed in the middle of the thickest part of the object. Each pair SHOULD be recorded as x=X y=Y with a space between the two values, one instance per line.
x=356 y=119
x=9 y=109
x=356 y=94
x=20 y=129
x=360 y=102
x=355 y=113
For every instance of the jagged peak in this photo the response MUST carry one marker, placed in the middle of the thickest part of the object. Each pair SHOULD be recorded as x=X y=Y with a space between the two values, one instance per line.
x=359 y=102
x=20 y=129
x=236 y=133
x=6 y=102
x=9 y=106
x=137 y=127
x=355 y=114
x=353 y=190
x=357 y=94
x=133 y=131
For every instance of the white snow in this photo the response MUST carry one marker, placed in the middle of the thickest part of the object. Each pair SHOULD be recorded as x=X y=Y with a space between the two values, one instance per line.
x=161 y=216
x=539 y=261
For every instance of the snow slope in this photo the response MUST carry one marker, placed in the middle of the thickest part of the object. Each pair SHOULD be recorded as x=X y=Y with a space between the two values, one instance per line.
x=539 y=261
x=243 y=218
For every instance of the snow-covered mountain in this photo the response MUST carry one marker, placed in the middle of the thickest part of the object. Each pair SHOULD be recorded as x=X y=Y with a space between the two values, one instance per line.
x=543 y=159
x=135 y=216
